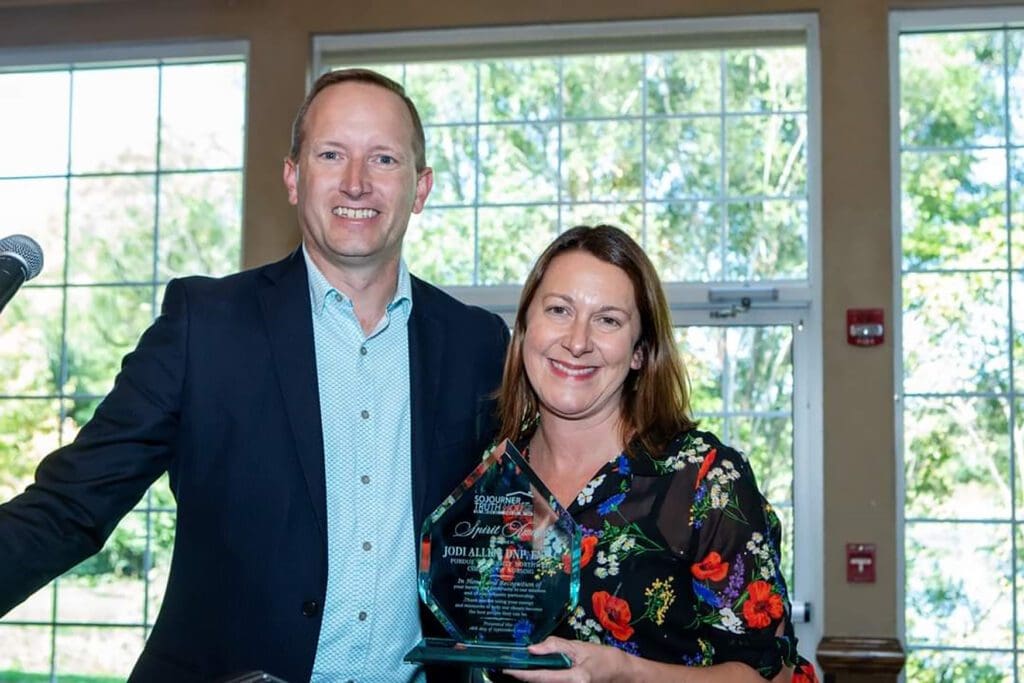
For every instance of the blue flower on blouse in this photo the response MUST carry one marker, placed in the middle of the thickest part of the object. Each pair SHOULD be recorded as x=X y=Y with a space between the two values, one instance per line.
x=611 y=504
x=622 y=465
x=705 y=594
x=630 y=647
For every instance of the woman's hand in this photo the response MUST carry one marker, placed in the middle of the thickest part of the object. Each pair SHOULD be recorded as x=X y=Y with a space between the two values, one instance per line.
x=591 y=663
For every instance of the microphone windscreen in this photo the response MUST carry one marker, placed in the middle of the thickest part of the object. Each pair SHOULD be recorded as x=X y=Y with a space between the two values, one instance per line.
x=27 y=250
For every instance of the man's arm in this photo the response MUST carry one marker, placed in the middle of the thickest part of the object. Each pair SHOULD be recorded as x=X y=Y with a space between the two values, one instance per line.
x=81 y=491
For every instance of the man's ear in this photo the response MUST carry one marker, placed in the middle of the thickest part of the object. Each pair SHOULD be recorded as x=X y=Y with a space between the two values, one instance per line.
x=424 y=182
x=290 y=175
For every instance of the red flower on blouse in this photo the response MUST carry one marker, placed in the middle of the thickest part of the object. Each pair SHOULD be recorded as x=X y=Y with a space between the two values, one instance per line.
x=709 y=459
x=762 y=605
x=711 y=567
x=587 y=550
x=586 y=553
x=613 y=613
x=510 y=565
x=805 y=673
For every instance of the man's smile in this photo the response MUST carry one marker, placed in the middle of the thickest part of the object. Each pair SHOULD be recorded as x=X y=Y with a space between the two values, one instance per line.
x=346 y=212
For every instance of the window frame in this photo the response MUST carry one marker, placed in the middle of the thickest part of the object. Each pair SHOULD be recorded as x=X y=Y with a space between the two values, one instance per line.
x=902 y=22
x=80 y=58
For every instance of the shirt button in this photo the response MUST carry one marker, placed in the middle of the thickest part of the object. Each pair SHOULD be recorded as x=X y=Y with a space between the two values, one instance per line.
x=367 y=545
x=310 y=608
x=362 y=616
x=365 y=414
x=365 y=479
x=363 y=351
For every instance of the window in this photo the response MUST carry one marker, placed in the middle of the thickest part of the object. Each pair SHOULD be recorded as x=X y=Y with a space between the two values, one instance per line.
x=958 y=155
x=698 y=137
x=128 y=172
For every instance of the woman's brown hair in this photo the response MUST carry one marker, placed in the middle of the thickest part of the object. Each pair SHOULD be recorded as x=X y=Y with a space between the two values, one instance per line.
x=655 y=398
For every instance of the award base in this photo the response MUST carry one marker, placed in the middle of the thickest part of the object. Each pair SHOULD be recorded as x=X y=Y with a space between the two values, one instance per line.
x=483 y=655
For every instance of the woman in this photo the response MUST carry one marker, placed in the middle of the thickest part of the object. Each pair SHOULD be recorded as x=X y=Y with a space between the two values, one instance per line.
x=680 y=561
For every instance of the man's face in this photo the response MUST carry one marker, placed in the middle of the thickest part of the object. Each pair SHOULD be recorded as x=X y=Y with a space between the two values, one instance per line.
x=355 y=182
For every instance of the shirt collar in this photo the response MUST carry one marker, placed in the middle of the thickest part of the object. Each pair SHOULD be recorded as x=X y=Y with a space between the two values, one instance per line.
x=321 y=291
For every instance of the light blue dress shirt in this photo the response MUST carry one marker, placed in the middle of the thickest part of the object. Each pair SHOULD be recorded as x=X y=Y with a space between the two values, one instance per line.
x=371 y=614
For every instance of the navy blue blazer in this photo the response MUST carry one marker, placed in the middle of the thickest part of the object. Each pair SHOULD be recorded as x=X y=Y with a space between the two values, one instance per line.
x=221 y=391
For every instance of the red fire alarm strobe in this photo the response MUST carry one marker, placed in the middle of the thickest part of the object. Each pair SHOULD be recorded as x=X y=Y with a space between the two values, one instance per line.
x=865 y=326
x=860 y=562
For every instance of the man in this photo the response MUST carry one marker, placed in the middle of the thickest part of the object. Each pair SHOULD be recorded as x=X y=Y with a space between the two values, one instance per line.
x=311 y=413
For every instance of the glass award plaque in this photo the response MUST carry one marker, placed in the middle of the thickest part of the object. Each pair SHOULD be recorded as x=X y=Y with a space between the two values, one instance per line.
x=499 y=568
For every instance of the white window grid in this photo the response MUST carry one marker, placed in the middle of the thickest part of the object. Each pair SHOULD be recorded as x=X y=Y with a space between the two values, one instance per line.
x=908 y=22
x=79 y=60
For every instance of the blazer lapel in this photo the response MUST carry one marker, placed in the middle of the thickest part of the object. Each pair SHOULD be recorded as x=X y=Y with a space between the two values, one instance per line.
x=284 y=299
x=426 y=344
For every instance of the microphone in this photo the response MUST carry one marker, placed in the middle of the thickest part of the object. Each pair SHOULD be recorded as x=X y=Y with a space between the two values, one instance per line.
x=21 y=259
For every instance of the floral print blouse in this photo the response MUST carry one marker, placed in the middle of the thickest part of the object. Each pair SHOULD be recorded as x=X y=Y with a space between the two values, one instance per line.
x=680 y=561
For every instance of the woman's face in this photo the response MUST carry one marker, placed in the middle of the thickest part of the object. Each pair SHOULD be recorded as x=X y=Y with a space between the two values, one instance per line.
x=582 y=327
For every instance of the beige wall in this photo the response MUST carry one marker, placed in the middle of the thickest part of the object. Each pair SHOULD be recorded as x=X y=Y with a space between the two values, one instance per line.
x=859 y=458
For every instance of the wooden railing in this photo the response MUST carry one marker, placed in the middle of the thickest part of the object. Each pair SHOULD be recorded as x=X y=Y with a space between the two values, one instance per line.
x=849 y=657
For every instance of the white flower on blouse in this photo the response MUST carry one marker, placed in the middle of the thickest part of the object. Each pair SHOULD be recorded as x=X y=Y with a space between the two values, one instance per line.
x=673 y=463
x=730 y=622
x=608 y=565
x=587 y=494
x=624 y=542
x=586 y=629
x=719 y=498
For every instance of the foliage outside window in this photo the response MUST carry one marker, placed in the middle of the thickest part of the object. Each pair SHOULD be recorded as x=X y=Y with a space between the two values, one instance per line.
x=127 y=175
x=961 y=129
x=701 y=154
